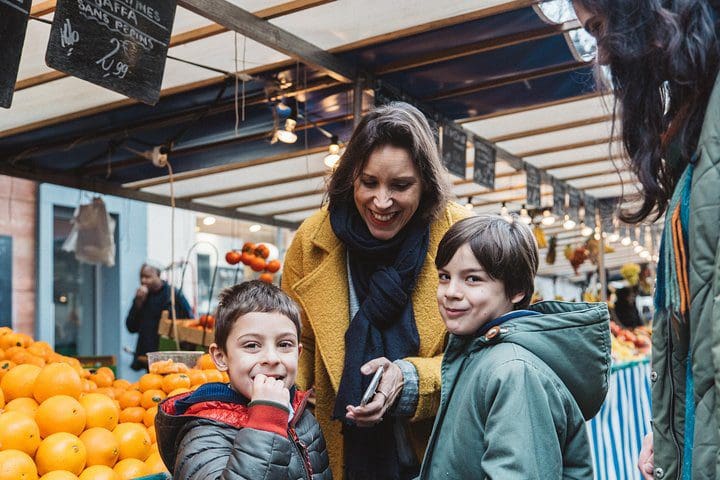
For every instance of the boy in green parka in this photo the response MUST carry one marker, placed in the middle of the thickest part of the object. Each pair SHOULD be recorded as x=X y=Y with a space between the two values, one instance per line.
x=518 y=380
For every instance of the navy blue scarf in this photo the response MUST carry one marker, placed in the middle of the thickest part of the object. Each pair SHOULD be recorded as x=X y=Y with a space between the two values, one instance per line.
x=384 y=274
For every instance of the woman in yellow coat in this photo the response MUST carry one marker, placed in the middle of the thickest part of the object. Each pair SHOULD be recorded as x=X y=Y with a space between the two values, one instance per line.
x=362 y=270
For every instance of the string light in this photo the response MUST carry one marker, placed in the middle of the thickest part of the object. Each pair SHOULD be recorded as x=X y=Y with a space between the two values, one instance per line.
x=333 y=156
x=469 y=205
x=524 y=216
x=547 y=218
x=568 y=223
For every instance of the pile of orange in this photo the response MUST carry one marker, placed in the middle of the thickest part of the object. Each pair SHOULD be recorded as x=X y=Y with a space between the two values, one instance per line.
x=60 y=421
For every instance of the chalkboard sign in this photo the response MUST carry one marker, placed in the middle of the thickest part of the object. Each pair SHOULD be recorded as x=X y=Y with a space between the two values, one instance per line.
x=118 y=44
x=532 y=182
x=454 y=149
x=5 y=281
x=484 y=164
x=573 y=202
x=13 y=25
x=607 y=207
x=558 y=197
x=590 y=211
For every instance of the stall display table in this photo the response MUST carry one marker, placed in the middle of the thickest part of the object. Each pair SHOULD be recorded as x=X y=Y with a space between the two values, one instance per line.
x=617 y=431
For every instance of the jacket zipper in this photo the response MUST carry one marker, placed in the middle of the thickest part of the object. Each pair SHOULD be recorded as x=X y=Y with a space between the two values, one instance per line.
x=302 y=451
x=672 y=399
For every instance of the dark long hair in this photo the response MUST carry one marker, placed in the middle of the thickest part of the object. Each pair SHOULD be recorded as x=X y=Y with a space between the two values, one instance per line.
x=663 y=57
x=401 y=125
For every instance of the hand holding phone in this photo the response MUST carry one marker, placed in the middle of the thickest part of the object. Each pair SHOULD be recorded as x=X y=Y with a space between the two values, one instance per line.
x=372 y=388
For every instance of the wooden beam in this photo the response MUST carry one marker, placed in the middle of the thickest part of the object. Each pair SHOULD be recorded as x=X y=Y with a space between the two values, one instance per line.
x=180 y=39
x=528 y=108
x=508 y=79
x=577 y=163
x=571 y=146
x=294 y=210
x=201 y=172
x=43 y=8
x=263 y=184
x=482 y=46
x=240 y=20
x=523 y=197
x=551 y=129
x=108 y=188
x=278 y=198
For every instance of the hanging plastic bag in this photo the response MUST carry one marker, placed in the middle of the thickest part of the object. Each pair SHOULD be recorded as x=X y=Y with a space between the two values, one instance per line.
x=92 y=237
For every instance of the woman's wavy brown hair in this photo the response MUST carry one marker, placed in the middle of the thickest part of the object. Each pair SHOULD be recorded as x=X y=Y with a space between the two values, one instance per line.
x=663 y=56
x=401 y=125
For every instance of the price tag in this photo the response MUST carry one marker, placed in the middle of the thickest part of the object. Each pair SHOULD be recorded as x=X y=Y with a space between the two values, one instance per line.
x=120 y=45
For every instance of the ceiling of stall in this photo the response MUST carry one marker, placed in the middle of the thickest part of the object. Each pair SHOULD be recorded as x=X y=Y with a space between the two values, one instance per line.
x=498 y=68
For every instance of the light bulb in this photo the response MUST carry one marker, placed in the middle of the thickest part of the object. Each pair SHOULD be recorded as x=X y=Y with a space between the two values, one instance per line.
x=524 y=216
x=625 y=241
x=585 y=231
x=333 y=155
x=287 y=135
x=210 y=220
x=547 y=218
x=568 y=224
x=614 y=237
x=256 y=227
x=638 y=248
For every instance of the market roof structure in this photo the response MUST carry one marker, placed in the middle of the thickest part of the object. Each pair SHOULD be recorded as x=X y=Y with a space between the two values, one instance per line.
x=500 y=69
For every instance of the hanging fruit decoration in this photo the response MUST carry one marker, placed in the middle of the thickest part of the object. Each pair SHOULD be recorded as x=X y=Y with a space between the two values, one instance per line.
x=540 y=236
x=256 y=256
x=233 y=257
x=552 y=251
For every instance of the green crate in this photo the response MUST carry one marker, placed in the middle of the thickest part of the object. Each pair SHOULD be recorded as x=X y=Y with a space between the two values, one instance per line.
x=156 y=476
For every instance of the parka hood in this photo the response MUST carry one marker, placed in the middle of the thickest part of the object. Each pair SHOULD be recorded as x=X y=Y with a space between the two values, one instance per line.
x=573 y=339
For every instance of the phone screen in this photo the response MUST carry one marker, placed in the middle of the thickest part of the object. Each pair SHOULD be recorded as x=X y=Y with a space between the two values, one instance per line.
x=372 y=388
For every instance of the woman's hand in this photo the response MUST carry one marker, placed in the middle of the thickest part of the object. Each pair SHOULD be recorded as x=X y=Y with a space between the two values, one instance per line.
x=391 y=384
x=646 y=461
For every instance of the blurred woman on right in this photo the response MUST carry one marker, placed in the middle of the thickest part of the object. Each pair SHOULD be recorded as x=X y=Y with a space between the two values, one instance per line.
x=663 y=57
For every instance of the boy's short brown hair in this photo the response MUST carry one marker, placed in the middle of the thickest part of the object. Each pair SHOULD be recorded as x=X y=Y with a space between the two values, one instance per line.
x=506 y=250
x=247 y=297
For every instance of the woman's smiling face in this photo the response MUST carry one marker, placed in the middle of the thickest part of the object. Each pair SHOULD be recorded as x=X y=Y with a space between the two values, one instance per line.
x=387 y=191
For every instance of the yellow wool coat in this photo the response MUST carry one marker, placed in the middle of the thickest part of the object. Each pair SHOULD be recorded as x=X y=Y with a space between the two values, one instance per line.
x=315 y=276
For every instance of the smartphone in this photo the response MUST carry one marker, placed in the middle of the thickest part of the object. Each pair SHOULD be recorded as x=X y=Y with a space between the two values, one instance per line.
x=372 y=388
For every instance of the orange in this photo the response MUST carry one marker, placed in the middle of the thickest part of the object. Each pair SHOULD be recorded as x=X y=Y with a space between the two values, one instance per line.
x=2 y=399
x=19 y=432
x=130 y=398
x=102 y=379
x=59 y=475
x=102 y=446
x=132 y=415
x=178 y=391
x=5 y=367
x=225 y=377
x=57 y=379
x=174 y=381
x=153 y=434
x=213 y=375
x=197 y=377
x=40 y=349
x=100 y=410
x=19 y=381
x=205 y=362
x=61 y=451
x=131 y=468
x=12 y=351
x=17 y=465
x=24 y=340
x=25 y=357
x=149 y=417
x=88 y=385
x=109 y=391
x=155 y=464
x=151 y=398
x=121 y=383
x=26 y=405
x=14 y=340
x=60 y=413
x=150 y=381
x=134 y=441
x=99 y=472
x=107 y=371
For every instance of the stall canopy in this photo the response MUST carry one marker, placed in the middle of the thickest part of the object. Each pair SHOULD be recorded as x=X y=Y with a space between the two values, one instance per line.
x=500 y=69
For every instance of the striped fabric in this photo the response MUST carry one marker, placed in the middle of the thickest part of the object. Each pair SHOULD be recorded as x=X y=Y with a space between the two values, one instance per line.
x=616 y=432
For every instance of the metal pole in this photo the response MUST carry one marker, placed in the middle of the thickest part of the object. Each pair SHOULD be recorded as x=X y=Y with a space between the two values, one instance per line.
x=357 y=101
x=601 y=258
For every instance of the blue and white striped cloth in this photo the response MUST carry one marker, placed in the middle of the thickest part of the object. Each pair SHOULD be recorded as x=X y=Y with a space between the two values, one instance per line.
x=616 y=432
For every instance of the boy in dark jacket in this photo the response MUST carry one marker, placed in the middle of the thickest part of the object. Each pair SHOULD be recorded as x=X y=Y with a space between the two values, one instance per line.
x=518 y=380
x=257 y=425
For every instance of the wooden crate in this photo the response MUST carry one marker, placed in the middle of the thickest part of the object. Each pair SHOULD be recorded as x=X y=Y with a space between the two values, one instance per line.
x=185 y=334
